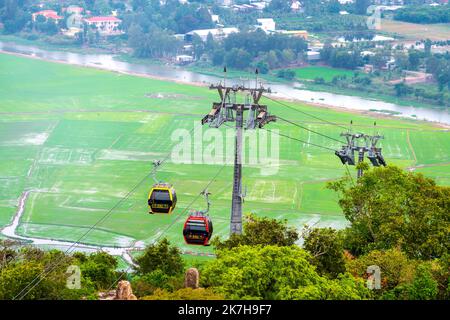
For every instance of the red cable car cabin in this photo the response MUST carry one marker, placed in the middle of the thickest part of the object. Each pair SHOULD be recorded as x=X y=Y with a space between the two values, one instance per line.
x=198 y=229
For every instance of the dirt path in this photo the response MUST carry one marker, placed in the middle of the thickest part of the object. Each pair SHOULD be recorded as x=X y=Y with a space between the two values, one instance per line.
x=408 y=140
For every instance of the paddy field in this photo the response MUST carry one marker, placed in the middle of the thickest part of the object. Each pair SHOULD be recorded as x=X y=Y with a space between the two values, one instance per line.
x=79 y=139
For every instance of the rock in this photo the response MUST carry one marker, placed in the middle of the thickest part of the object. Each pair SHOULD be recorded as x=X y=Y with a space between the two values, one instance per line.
x=110 y=295
x=124 y=291
x=191 y=278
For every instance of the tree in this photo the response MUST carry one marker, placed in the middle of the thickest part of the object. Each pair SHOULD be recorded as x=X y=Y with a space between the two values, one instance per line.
x=414 y=59
x=361 y=6
x=237 y=58
x=16 y=276
x=389 y=207
x=148 y=283
x=218 y=57
x=396 y=270
x=286 y=74
x=261 y=231
x=185 y=294
x=402 y=89
x=161 y=256
x=273 y=272
x=327 y=251
x=423 y=287
x=99 y=268
x=262 y=67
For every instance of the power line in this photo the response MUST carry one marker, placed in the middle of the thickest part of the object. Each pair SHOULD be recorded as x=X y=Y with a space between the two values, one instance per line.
x=190 y=204
x=44 y=273
x=299 y=140
x=306 y=128
x=306 y=113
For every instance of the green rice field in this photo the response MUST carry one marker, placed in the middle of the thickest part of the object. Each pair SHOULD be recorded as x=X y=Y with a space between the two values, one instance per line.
x=327 y=73
x=80 y=139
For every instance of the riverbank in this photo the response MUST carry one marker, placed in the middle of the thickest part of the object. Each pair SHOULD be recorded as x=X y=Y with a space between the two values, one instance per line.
x=206 y=84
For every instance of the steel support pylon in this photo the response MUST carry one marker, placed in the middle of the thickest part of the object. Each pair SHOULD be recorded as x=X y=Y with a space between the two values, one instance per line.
x=236 y=205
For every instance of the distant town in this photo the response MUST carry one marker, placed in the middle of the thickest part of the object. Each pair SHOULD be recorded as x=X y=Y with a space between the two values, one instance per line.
x=387 y=43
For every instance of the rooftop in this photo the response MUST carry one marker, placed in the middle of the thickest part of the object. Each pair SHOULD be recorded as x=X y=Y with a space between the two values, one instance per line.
x=103 y=19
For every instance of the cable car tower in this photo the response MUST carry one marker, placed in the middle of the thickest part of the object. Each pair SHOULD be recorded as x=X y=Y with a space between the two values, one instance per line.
x=229 y=110
x=368 y=145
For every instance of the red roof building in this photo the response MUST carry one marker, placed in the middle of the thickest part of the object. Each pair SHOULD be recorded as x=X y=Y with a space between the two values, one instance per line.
x=108 y=19
x=48 y=14
x=105 y=25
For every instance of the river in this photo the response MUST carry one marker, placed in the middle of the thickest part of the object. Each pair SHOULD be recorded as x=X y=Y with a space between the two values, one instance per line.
x=289 y=91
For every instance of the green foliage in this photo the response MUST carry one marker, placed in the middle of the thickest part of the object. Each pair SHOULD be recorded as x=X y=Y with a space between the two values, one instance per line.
x=327 y=251
x=345 y=287
x=273 y=272
x=424 y=14
x=99 y=269
x=22 y=278
x=389 y=207
x=341 y=57
x=185 y=294
x=287 y=74
x=260 y=231
x=396 y=269
x=423 y=287
x=147 y=284
x=161 y=256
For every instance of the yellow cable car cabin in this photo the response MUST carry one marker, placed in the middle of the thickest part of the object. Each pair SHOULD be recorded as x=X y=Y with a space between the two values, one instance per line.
x=162 y=198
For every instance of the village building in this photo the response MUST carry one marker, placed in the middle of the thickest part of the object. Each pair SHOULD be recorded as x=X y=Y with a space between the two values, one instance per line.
x=296 y=33
x=108 y=25
x=74 y=10
x=267 y=25
x=313 y=55
x=217 y=34
x=296 y=6
x=48 y=14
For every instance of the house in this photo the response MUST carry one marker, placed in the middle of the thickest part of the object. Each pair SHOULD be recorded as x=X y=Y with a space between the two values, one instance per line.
x=48 y=14
x=184 y=59
x=366 y=53
x=267 y=25
x=74 y=10
x=313 y=55
x=296 y=33
x=225 y=3
x=218 y=33
x=296 y=6
x=108 y=25
x=215 y=18
x=368 y=68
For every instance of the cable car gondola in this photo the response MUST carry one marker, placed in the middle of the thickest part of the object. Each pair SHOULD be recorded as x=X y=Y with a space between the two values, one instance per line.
x=162 y=198
x=198 y=227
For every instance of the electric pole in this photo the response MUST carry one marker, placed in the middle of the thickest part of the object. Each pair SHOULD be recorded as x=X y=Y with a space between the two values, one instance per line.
x=368 y=145
x=228 y=110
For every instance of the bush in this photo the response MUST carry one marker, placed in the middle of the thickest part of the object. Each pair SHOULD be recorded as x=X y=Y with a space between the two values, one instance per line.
x=327 y=251
x=287 y=74
x=185 y=294
x=161 y=256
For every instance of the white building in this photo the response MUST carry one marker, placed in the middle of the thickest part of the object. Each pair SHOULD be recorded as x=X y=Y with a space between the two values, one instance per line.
x=218 y=33
x=313 y=55
x=215 y=18
x=105 y=25
x=184 y=59
x=267 y=25
x=296 y=6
